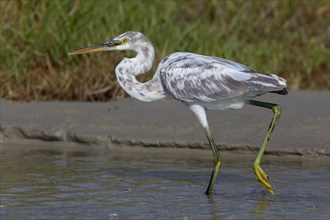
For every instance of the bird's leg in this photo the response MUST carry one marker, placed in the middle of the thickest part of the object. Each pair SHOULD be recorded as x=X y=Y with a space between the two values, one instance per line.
x=216 y=158
x=260 y=174
x=201 y=115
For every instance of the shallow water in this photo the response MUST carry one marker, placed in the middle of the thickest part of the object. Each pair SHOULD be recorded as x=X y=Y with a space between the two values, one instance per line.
x=51 y=183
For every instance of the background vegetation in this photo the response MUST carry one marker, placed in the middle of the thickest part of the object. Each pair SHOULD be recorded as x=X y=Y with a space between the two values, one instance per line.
x=289 y=38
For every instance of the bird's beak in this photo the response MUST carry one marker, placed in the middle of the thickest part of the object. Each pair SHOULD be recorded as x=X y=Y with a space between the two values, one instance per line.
x=109 y=45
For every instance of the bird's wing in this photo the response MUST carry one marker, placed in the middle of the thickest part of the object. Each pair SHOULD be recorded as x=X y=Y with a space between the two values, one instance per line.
x=196 y=78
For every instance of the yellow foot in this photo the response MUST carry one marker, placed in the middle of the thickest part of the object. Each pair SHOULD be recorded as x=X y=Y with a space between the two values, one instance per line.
x=262 y=177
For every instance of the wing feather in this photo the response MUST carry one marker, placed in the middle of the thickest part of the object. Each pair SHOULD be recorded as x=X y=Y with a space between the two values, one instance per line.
x=196 y=78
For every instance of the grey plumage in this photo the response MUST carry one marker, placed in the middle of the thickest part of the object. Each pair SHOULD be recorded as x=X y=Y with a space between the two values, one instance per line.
x=201 y=82
x=197 y=78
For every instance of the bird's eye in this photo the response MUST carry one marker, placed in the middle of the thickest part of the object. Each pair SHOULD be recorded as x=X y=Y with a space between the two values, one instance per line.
x=125 y=39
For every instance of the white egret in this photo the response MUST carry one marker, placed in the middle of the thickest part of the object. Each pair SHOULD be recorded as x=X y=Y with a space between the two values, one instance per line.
x=200 y=82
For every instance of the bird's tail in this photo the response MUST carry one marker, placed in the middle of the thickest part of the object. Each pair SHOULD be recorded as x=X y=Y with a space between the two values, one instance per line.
x=282 y=83
x=283 y=91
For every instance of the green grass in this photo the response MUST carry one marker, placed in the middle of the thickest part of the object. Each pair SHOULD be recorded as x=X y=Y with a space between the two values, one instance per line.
x=289 y=38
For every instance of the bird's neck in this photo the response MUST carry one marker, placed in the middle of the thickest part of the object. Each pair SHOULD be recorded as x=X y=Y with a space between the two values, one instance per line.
x=129 y=68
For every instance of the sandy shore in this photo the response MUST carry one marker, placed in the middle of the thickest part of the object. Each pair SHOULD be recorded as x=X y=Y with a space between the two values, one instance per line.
x=303 y=129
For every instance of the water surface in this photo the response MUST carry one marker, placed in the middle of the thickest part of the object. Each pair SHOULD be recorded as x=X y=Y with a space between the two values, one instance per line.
x=61 y=183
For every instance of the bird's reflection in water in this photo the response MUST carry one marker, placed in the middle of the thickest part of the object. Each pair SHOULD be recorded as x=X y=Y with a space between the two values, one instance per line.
x=259 y=203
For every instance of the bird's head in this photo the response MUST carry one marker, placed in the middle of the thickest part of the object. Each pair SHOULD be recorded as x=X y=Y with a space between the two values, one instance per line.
x=127 y=41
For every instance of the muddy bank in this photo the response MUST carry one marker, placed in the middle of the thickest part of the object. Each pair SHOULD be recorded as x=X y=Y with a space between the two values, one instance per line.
x=302 y=130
